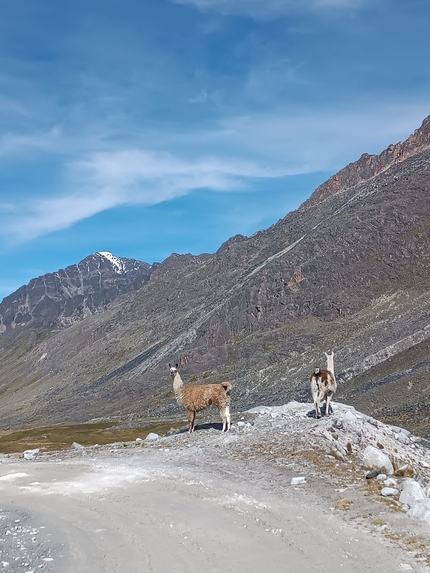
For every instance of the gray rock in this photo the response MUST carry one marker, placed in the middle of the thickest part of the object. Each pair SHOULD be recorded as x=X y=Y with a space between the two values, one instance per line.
x=411 y=492
x=151 y=437
x=402 y=438
x=31 y=454
x=297 y=480
x=350 y=417
x=260 y=410
x=389 y=491
x=76 y=446
x=421 y=510
x=399 y=430
x=373 y=458
x=373 y=473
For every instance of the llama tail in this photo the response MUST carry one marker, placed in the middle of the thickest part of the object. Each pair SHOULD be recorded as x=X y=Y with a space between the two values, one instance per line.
x=227 y=387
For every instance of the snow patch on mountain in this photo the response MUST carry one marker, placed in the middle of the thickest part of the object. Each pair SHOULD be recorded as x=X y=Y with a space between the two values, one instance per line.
x=116 y=262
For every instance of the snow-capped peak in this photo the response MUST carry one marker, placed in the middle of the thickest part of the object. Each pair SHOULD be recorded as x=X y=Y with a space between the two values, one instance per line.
x=116 y=262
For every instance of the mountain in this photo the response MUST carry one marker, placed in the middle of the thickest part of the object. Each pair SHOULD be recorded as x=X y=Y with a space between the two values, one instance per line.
x=59 y=299
x=348 y=271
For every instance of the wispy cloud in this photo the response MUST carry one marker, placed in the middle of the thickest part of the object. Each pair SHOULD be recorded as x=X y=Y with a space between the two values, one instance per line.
x=43 y=141
x=269 y=8
x=111 y=179
x=277 y=144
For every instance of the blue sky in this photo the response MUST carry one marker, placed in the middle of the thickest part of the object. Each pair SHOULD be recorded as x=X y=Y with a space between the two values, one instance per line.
x=146 y=127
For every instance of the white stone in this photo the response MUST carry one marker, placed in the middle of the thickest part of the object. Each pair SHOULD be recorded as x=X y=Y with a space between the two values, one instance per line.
x=151 y=437
x=421 y=510
x=381 y=477
x=390 y=482
x=350 y=416
x=374 y=458
x=297 y=480
x=398 y=430
x=31 y=454
x=388 y=491
x=139 y=440
x=294 y=405
x=411 y=492
x=260 y=410
x=240 y=424
x=402 y=438
x=76 y=446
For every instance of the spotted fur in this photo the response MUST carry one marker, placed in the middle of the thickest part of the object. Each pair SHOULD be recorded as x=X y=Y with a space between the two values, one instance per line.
x=323 y=386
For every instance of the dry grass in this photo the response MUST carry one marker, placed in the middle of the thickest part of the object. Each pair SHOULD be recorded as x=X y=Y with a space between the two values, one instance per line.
x=343 y=504
x=53 y=438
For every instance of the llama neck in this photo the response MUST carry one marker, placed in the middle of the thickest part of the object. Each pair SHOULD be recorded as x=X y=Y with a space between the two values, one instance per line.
x=177 y=385
x=330 y=363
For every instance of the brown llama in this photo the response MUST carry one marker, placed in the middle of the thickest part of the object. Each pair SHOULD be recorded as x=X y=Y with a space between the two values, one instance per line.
x=197 y=398
x=323 y=386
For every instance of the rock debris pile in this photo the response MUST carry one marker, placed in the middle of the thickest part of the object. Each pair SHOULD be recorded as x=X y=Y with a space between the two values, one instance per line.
x=346 y=442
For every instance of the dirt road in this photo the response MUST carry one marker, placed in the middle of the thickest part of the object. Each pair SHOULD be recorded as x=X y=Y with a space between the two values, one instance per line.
x=151 y=511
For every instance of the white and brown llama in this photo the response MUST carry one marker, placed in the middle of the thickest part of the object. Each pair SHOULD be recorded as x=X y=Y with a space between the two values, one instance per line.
x=197 y=398
x=323 y=385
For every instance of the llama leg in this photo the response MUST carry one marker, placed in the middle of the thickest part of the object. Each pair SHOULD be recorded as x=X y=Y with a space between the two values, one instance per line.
x=327 y=405
x=317 y=405
x=223 y=414
x=227 y=413
x=191 y=419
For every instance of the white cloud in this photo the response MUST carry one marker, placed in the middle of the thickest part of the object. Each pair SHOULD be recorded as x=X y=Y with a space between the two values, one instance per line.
x=110 y=179
x=269 y=8
x=43 y=141
x=304 y=141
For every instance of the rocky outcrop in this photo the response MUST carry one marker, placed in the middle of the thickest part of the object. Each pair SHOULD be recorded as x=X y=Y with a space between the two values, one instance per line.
x=59 y=299
x=370 y=165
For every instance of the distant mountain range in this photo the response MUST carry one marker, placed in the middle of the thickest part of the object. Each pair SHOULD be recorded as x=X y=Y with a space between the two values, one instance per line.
x=59 y=299
x=348 y=271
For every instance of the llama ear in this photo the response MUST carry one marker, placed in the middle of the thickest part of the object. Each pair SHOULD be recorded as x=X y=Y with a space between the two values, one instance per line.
x=170 y=366
x=177 y=366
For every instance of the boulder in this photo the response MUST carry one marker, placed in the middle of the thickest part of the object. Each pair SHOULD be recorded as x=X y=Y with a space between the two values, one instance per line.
x=350 y=417
x=421 y=510
x=151 y=437
x=411 y=492
x=389 y=491
x=76 y=446
x=31 y=454
x=374 y=458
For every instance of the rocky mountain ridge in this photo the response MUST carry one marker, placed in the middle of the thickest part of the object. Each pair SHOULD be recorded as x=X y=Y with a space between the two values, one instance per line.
x=350 y=273
x=59 y=299
x=368 y=166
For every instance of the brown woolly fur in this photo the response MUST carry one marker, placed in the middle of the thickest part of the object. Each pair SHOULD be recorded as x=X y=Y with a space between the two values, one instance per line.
x=197 y=398
x=323 y=385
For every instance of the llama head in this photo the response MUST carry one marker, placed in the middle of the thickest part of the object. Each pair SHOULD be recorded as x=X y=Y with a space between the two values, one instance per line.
x=173 y=370
x=329 y=355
